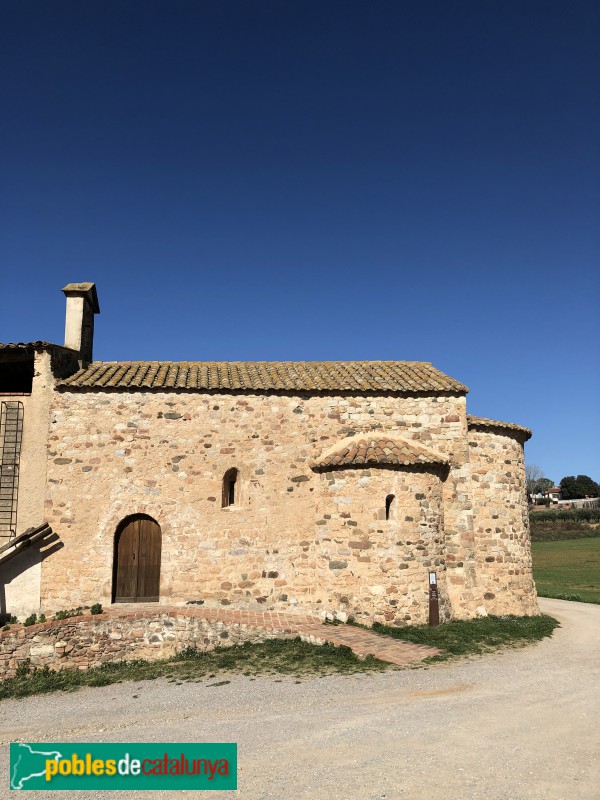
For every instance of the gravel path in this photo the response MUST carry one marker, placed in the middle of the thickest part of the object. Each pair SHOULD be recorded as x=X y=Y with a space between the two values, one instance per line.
x=518 y=725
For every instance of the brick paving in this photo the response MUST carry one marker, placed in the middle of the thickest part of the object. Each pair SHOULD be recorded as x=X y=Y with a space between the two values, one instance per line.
x=361 y=641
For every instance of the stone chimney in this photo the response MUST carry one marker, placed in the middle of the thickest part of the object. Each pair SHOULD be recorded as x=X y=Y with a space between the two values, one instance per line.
x=82 y=304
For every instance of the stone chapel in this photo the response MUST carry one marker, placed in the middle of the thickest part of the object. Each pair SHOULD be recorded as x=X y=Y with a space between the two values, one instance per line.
x=331 y=487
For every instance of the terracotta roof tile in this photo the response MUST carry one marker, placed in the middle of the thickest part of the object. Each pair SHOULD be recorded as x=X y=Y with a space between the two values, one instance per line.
x=377 y=449
x=372 y=377
x=39 y=345
x=482 y=422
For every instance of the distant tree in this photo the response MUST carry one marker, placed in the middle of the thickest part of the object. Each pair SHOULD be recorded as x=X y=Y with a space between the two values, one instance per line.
x=543 y=485
x=568 y=488
x=575 y=488
x=533 y=474
x=587 y=486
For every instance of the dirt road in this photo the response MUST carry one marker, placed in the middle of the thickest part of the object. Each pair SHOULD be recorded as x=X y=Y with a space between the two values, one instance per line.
x=518 y=725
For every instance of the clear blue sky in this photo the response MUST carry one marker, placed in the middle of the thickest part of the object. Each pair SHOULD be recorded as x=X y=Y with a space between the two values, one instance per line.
x=316 y=179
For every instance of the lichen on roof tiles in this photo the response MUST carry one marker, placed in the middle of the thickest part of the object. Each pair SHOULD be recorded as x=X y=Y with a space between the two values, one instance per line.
x=304 y=376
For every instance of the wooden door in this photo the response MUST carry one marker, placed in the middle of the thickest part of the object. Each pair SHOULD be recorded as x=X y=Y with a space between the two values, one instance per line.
x=148 y=583
x=126 y=561
x=137 y=567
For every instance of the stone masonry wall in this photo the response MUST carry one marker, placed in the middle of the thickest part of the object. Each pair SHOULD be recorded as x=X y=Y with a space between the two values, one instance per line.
x=113 y=454
x=375 y=568
x=501 y=522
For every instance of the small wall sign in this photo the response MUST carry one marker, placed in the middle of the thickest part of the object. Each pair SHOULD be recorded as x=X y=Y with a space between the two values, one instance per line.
x=434 y=605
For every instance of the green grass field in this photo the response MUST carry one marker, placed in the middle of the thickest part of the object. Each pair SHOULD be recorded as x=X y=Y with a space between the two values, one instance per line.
x=568 y=570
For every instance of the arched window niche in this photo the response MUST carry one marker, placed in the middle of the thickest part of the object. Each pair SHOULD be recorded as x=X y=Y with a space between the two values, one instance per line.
x=389 y=503
x=231 y=488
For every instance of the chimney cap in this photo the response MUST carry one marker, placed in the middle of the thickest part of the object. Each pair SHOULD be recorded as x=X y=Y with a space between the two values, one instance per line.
x=88 y=290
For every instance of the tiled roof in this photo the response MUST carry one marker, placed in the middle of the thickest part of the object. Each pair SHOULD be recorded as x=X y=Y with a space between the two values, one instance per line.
x=482 y=422
x=364 y=450
x=28 y=345
x=373 y=377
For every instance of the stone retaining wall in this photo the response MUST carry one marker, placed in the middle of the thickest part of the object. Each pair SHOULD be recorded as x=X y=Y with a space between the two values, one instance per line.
x=89 y=641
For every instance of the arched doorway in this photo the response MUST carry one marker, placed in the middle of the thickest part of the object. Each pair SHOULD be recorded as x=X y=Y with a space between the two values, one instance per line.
x=136 y=566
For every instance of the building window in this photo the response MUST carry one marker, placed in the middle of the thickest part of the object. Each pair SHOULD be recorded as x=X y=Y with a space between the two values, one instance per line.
x=388 y=505
x=230 y=488
x=16 y=372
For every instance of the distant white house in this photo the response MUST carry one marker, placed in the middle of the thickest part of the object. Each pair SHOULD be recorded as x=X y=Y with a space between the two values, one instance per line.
x=554 y=493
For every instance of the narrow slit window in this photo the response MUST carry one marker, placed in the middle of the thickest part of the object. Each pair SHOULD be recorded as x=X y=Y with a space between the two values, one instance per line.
x=230 y=493
x=388 y=505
